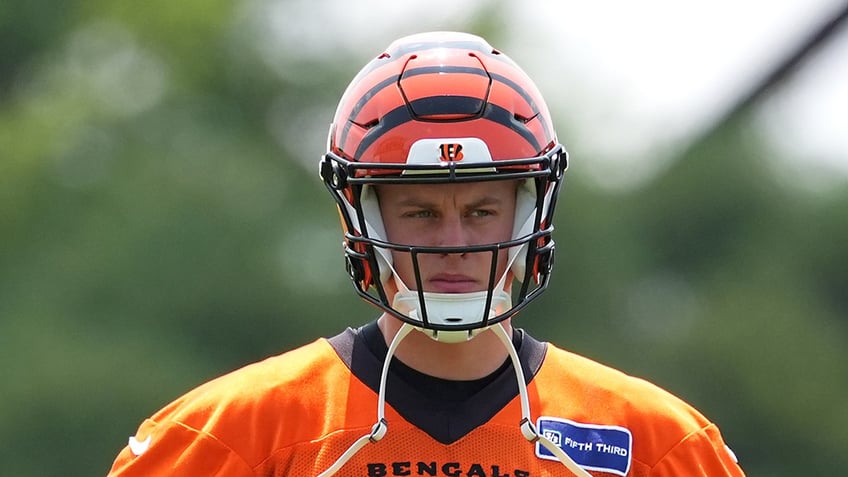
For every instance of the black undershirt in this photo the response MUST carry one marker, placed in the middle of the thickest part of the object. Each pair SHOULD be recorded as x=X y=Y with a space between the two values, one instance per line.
x=445 y=390
x=445 y=409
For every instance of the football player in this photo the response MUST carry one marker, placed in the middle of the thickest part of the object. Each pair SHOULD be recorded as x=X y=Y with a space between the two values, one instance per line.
x=445 y=167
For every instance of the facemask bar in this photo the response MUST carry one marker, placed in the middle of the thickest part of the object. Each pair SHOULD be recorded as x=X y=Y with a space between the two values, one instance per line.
x=338 y=172
x=493 y=250
x=419 y=286
x=345 y=180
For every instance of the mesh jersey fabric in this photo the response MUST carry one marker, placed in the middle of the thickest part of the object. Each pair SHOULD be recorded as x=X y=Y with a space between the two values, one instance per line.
x=296 y=413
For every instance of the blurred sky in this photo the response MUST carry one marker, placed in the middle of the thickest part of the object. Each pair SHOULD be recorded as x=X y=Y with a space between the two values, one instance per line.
x=635 y=80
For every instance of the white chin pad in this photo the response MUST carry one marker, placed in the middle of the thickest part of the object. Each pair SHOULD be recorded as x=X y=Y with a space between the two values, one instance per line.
x=452 y=309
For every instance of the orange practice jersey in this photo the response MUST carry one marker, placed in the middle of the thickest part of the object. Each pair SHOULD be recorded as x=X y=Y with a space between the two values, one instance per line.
x=295 y=414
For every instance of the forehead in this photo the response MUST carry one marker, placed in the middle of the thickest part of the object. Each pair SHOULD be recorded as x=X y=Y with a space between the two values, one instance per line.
x=469 y=192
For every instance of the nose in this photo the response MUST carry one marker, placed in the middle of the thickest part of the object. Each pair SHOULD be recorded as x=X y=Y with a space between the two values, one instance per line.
x=452 y=232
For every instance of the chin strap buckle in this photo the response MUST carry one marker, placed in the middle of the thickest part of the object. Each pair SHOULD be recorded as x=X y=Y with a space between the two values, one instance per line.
x=528 y=430
x=379 y=431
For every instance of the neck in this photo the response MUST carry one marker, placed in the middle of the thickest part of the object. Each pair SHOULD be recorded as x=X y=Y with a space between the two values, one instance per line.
x=472 y=359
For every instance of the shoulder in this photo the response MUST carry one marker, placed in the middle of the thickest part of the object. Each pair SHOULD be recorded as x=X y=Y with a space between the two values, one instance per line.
x=279 y=401
x=622 y=395
x=269 y=379
x=234 y=422
x=663 y=429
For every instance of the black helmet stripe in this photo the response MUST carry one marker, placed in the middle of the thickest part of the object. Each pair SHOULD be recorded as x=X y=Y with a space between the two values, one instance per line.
x=436 y=105
x=354 y=112
x=428 y=70
x=524 y=95
x=361 y=104
x=481 y=72
x=424 y=109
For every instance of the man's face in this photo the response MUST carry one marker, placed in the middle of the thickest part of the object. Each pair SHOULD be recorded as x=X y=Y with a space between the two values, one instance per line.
x=449 y=215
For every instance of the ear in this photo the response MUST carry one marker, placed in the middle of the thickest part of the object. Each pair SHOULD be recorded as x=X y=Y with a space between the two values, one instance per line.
x=510 y=277
x=390 y=288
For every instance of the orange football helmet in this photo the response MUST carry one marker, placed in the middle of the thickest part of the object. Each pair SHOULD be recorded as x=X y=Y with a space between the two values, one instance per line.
x=444 y=107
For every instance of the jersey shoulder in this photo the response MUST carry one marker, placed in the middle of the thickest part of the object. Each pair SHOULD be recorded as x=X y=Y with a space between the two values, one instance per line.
x=265 y=406
x=266 y=380
x=623 y=395
x=591 y=395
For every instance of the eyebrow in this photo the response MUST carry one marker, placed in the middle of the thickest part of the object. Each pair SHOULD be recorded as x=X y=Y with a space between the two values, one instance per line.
x=428 y=204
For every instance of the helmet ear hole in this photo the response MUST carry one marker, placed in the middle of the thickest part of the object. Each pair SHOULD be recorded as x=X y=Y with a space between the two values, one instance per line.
x=333 y=175
x=544 y=263
x=356 y=264
x=355 y=269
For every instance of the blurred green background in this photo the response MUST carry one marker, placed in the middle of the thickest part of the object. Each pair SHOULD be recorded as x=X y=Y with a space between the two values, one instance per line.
x=162 y=222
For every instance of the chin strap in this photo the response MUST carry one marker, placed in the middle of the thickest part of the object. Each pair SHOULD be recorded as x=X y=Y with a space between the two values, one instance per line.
x=382 y=426
x=528 y=430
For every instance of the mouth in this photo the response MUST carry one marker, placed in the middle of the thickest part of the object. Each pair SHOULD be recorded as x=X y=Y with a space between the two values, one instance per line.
x=452 y=283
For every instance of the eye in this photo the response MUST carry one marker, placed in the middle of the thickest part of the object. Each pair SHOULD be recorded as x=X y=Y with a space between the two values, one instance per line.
x=482 y=213
x=419 y=214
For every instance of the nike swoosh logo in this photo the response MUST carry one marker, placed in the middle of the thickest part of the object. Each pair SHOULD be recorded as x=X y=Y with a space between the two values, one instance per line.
x=139 y=447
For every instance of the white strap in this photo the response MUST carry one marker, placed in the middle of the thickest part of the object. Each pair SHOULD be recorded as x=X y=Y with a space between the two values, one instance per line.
x=342 y=460
x=382 y=426
x=528 y=430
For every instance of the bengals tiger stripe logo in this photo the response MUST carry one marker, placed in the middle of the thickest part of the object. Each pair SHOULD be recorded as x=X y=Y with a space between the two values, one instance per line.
x=451 y=152
x=440 y=85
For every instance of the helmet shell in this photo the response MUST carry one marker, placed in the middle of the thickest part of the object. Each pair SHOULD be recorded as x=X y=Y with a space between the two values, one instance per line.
x=440 y=85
